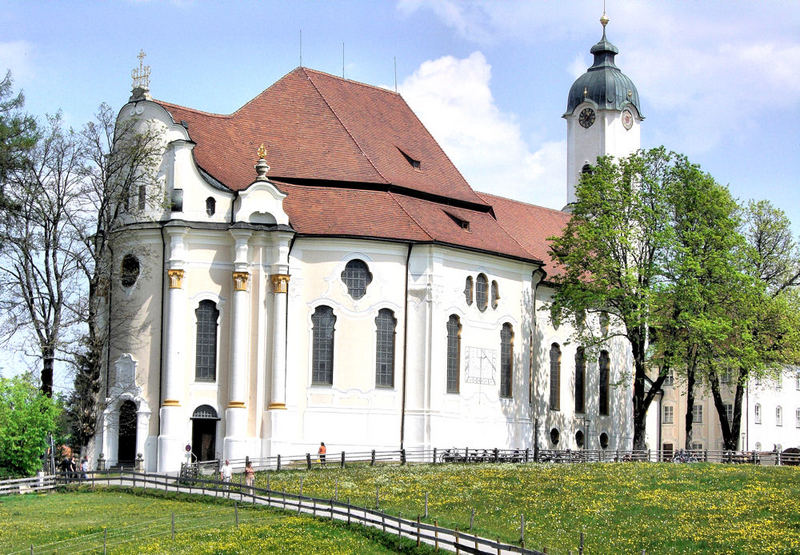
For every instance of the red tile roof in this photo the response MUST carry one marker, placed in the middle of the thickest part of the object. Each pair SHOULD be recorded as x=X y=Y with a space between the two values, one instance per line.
x=529 y=224
x=340 y=151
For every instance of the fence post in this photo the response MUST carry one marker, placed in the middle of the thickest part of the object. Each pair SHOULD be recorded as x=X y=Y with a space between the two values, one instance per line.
x=105 y=541
x=342 y=459
x=705 y=455
x=278 y=469
x=236 y=513
x=267 y=482
x=173 y=524
x=372 y=460
x=336 y=490
x=308 y=460
x=301 y=486
x=522 y=530
x=377 y=497
x=402 y=456
x=496 y=454
x=527 y=453
x=417 y=530
x=580 y=547
x=434 y=455
x=648 y=455
x=426 y=504
x=348 y=511
x=456 y=542
x=471 y=519
x=436 y=534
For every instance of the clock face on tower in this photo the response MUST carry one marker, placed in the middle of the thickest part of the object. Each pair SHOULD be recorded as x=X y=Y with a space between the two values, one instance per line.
x=586 y=118
x=627 y=119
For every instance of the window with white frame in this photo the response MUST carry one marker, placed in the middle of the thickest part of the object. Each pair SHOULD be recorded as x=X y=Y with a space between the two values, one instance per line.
x=670 y=379
x=778 y=416
x=385 y=325
x=797 y=381
x=797 y=418
x=669 y=414
x=206 y=342
x=323 y=321
x=697 y=446
x=555 y=377
x=697 y=414
x=757 y=413
x=453 y=353
x=482 y=292
x=506 y=361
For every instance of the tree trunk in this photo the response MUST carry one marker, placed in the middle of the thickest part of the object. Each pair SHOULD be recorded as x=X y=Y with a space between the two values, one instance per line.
x=727 y=437
x=690 y=381
x=48 y=360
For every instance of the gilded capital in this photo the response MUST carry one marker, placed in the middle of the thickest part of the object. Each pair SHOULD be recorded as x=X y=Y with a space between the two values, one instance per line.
x=170 y=403
x=175 y=279
x=236 y=405
x=240 y=281
x=280 y=283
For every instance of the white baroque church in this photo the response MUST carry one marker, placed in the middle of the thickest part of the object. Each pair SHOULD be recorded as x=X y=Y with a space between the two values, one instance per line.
x=323 y=272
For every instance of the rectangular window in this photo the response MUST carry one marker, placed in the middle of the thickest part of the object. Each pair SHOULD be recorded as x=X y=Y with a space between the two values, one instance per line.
x=729 y=412
x=384 y=348
x=506 y=361
x=697 y=414
x=580 y=379
x=453 y=353
x=206 y=342
x=670 y=379
x=669 y=414
x=725 y=377
x=797 y=418
x=605 y=370
x=323 y=321
x=797 y=382
x=555 y=377
x=757 y=413
x=697 y=446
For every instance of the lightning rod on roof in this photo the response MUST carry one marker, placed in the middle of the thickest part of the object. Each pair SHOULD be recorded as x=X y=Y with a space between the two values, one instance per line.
x=395 y=74
x=301 y=48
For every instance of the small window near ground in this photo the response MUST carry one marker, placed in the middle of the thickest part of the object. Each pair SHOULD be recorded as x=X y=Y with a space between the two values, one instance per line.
x=604 y=440
x=554 y=436
x=697 y=446
x=130 y=270
x=579 y=439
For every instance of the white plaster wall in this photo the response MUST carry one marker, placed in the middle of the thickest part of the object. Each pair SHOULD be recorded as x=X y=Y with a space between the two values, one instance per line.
x=770 y=394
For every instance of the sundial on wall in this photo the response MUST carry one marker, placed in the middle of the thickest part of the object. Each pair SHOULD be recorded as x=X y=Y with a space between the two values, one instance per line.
x=481 y=365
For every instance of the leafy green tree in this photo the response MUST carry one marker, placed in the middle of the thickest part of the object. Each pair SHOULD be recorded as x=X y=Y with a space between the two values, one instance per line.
x=17 y=133
x=27 y=416
x=613 y=251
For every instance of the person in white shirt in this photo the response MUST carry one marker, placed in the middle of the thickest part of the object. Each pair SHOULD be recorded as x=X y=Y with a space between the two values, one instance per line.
x=226 y=472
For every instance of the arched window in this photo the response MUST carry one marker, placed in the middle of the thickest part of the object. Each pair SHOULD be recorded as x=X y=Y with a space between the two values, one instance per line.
x=357 y=277
x=579 y=439
x=506 y=361
x=130 y=270
x=385 y=325
x=211 y=206
x=205 y=412
x=323 y=321
x=778 y=416
x=482 y=292
x=495 y=294
x=604 y=364
x=555 y=377
x=580 y=380
x=757 y=413
x=453 y=354
x=468 y=291
x=206 y=347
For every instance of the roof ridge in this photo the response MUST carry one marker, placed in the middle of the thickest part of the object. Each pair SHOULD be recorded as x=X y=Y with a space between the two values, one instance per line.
x=413 y=219
x=164 y=103
x=483 y=195
x=352 y=138
x=353 y=81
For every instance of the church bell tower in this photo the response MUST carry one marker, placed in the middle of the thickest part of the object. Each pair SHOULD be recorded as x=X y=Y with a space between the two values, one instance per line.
x=603 y=114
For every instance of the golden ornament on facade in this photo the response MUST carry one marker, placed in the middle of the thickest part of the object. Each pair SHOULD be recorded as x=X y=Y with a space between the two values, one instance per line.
x=175 y=279
x=171 y=403
x=236 y=405
x=276 y=406
x=280 y=283
x=240 y=281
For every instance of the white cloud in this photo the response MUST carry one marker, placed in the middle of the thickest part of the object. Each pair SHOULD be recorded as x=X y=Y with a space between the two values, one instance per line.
x=453 y=99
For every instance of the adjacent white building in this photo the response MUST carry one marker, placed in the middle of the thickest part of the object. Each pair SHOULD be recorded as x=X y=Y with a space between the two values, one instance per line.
x=322 y=272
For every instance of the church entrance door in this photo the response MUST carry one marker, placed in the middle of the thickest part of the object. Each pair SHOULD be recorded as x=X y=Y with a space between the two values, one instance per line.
x=204 y=433
x=126 y=453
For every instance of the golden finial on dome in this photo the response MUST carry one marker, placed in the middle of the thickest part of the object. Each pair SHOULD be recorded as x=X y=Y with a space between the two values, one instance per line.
x=262 y=152
x=604 y=20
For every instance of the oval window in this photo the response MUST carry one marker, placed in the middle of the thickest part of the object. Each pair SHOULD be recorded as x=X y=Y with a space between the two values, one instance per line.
x=604 y=440
x=130 y=270
x=554 y=436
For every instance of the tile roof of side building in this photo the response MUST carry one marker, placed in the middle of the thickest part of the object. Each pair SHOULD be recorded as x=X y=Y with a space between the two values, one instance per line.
x=342 y=150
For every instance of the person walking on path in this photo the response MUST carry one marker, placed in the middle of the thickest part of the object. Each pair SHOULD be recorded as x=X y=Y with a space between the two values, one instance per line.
x=249 y=474
x=321 y=452
x=225 y=474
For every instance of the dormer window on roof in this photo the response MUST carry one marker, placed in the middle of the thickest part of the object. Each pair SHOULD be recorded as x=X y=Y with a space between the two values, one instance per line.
x=463 y=224
x=414 y=163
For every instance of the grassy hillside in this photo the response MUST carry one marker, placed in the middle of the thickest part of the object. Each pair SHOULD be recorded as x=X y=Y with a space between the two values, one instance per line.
x=621 y=508
x=141 y=523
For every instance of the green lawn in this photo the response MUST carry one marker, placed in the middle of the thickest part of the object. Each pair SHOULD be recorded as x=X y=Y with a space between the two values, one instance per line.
x=621 y=508
x=141 y=523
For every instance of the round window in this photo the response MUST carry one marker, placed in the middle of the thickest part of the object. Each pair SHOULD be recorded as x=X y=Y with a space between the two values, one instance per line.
x=554 y=436
x=130 y=270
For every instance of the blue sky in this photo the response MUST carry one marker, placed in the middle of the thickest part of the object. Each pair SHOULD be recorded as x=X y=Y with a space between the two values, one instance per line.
x=718 y=80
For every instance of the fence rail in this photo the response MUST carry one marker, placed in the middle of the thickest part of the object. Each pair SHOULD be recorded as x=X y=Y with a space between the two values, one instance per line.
x=332 y=509
x=28 y=485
